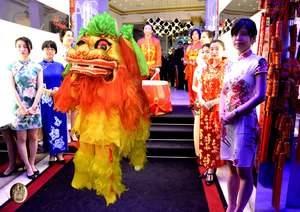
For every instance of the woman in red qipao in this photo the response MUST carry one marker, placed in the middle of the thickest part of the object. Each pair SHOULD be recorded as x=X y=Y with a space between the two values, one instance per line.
x=211 y=81
x=152 y=51
x=190 y=57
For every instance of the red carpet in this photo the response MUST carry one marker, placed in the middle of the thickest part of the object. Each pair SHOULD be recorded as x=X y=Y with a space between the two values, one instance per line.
x=36 y=184
x=212 y=195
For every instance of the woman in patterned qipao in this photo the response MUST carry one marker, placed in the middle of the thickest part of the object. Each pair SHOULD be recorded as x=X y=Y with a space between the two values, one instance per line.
x=244 y=88
x=210 y=85
x=27 y=83
x=54 y=123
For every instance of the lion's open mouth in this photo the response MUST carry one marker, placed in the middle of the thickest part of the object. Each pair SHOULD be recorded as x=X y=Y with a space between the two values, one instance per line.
x=94 y=68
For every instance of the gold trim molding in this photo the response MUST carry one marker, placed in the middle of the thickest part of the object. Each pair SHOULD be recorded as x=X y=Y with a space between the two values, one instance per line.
x=238 y=12
x=159 y=10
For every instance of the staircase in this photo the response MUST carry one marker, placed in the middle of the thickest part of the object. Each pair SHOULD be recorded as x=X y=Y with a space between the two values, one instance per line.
x=171 y=135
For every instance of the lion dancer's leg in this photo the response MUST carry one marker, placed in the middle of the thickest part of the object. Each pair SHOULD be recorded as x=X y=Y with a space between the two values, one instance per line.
x=106 y=173
x=82 y=162
x=137 y=152
x=137 y=155
x=98 y=167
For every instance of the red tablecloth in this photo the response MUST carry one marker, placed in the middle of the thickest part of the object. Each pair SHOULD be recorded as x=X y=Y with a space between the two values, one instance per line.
x=159 y=96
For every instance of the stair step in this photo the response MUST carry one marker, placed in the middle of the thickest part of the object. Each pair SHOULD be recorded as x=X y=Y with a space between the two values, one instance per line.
x=172 y=124
x=178 y=140
x=170 y=143
x=180 y=114
x=181 y=120
x=172 y=128
x=173 y=132
x=171 y=152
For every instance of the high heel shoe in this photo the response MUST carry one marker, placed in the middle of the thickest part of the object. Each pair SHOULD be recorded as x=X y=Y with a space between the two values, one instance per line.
x=8 y=174
x=61 y=161
x=210 y=178
x=31 y=177
x=60 y=158
x=37 y=172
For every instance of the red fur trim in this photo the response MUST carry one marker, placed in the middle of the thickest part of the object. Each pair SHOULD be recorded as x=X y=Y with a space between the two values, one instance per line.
x=124 y=95
x=129 y=57
x=66 y=98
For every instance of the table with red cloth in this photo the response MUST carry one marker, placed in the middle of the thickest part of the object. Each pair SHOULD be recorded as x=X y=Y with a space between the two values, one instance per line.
x=159 y=96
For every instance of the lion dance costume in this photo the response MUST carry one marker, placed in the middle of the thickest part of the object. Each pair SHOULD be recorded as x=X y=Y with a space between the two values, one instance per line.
x=104 y=84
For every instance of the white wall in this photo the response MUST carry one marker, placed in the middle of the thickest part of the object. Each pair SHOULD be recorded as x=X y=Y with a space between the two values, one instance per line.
x=13 y=31
x=60 y=5
x=10 y=32
x=223 y=4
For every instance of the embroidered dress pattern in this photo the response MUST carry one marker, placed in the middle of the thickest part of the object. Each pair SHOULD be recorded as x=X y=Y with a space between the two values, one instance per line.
x=25 y=74
x=54 y=123
x=239 y=139
x=210 y=128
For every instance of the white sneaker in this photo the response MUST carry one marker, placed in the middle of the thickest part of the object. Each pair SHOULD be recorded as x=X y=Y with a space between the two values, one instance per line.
x=138 y=168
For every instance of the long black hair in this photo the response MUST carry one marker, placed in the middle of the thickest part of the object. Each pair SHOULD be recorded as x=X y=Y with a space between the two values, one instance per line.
x=27 y=42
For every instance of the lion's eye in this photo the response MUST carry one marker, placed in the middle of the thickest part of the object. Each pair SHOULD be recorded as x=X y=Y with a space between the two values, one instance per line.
x=103 y=44
x=81 y=42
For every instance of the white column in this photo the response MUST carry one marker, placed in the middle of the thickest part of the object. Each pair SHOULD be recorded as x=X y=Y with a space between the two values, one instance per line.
x=85 y=10
x=211 y=15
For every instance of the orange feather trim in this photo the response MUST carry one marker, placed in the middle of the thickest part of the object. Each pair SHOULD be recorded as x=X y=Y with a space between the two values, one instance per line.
x=124 y=94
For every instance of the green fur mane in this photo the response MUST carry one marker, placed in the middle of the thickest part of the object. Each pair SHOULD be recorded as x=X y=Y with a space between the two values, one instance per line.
x=127 y=33
x=101 y=24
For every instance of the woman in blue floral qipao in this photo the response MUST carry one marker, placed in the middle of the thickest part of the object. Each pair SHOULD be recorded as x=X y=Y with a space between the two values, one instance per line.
x=54 y=123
